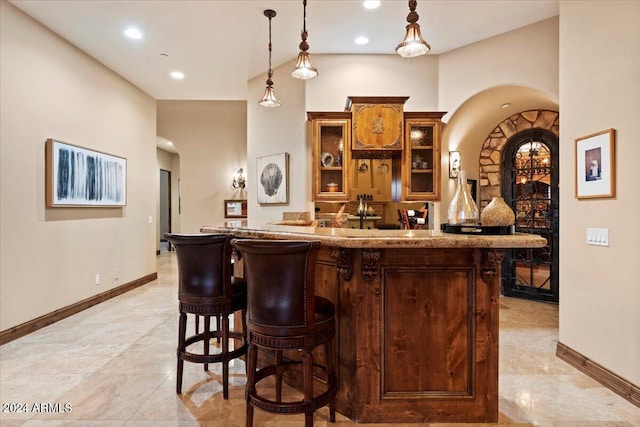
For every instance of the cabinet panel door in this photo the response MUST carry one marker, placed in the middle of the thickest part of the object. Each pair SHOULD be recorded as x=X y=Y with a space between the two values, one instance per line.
x=377 y=127
x=330 y=159
x=421 y=160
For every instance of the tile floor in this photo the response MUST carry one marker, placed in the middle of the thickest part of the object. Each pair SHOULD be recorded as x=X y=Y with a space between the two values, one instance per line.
x=114 y=365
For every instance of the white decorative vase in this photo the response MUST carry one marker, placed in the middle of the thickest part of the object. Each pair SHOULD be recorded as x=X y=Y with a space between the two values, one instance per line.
x=497 y=212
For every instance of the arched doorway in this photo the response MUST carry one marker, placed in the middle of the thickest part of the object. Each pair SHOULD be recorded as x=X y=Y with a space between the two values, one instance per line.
x=526 y=274
x=530 y=187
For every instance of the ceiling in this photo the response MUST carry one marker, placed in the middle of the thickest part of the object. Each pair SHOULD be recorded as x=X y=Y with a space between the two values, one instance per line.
x=220 y=44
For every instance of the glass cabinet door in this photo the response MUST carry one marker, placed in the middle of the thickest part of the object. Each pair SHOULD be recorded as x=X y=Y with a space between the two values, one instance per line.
x=330 y=159
x=421 y=162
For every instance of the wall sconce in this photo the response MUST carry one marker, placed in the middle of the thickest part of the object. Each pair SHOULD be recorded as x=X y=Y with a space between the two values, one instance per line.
x=454 y=164
x=239 y=180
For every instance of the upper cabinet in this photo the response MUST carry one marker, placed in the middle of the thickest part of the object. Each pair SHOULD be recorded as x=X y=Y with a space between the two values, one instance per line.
x=330 y=133
x=345 y=145
x=377 y=125
x=421 y=160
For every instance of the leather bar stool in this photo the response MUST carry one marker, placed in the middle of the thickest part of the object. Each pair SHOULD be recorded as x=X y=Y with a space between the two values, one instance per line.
x=283 y=313
x=206 y=287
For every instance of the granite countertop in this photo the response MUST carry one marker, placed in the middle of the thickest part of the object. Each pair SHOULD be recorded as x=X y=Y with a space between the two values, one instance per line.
x=356 y=238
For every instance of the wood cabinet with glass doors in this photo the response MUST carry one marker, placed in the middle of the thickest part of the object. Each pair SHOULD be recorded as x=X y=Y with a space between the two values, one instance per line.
x=330 y=138
x=421 y=156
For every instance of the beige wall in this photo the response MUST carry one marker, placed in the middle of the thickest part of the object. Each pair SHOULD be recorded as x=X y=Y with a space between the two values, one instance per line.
x=211 y=139
x=599 y=88
x=434 y=83
x=79 y=101
x=283 y=129
x=519 y=67
x=52 y=90
x=278 y=130
x=341 y=76
x=525 y=57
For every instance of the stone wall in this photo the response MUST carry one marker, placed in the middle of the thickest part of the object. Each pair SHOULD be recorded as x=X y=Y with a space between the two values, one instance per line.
x=493 y=146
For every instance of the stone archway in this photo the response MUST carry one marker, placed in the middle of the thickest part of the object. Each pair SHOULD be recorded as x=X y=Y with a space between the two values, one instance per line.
x=493 y=146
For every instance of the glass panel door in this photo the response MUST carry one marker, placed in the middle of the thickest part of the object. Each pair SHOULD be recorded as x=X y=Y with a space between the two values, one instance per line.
x=532 y=192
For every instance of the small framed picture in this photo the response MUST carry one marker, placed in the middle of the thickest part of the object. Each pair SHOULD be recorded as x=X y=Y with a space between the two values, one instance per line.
x=235 y=208
x=595 y=171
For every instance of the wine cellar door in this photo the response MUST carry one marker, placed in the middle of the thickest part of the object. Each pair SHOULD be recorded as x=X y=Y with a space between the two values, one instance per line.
x=530 y=187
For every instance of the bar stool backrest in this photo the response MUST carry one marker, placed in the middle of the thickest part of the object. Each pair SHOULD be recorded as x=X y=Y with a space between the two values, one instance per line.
x=204 y=269
x=280 y=277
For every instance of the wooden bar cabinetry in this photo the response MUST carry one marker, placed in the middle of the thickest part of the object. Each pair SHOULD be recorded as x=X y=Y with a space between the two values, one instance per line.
x=421 y=159
x=330 y=138
x=377 y=125
x=376 y=128
x=417 y=319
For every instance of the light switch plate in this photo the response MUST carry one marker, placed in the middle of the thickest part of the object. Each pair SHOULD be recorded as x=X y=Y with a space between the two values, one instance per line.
x=598 y=236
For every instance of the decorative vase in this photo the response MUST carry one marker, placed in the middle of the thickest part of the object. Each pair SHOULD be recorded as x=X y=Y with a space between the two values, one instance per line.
x=463 y=209
x=497 y=212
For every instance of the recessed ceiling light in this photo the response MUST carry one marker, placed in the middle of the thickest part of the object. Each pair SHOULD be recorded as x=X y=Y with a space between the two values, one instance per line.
x=505 y=105
x=371 y=4
x=169 y=143
x=362 y=40
x=133 y=33
x=177 y=75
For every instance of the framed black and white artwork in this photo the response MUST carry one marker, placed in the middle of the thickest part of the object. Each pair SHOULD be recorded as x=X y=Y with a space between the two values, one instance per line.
x=273 y=179
x=77 y=176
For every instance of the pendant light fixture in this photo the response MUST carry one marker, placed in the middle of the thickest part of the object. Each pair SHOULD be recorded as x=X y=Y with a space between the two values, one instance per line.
x=413 y=43
x=304 y=70
x=269 y=97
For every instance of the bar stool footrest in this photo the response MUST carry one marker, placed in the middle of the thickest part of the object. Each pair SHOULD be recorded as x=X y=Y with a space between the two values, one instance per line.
x=212 y=358
x=296 y=407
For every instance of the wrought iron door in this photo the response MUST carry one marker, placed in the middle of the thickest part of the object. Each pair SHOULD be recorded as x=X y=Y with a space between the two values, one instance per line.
x=530 y=187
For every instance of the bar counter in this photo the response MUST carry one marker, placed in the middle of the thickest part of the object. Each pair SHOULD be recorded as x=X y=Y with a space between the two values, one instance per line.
x=417 y=318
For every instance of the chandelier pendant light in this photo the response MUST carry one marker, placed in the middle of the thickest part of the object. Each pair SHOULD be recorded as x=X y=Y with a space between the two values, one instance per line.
x=413 y=43
x=269 y=98
x=303 y=69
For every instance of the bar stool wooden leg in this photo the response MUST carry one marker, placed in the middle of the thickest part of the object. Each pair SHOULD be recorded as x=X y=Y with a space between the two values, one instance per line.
x=244 y=334
x=307 y=369
x=278 y=376
x=225 y=362
x=182 y=333
x=252 y=356
x=218 y=328
x=328 y=355
x=206 y=332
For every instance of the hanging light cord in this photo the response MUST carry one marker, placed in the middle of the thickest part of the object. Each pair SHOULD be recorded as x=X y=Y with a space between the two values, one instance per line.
x=270 y=73
x=304 y=46
x=412 y=18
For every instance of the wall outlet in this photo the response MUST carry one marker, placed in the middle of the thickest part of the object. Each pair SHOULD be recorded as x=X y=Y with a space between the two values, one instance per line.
x=150 y=220
x=116 y=273
x=97 y=279
x=598 y=236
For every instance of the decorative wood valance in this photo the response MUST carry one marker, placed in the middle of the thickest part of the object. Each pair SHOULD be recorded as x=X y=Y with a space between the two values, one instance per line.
x=377 y=123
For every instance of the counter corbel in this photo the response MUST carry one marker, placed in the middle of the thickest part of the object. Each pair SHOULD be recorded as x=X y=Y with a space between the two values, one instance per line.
x=370 y=262
x=344 y=261
x=491 y=262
